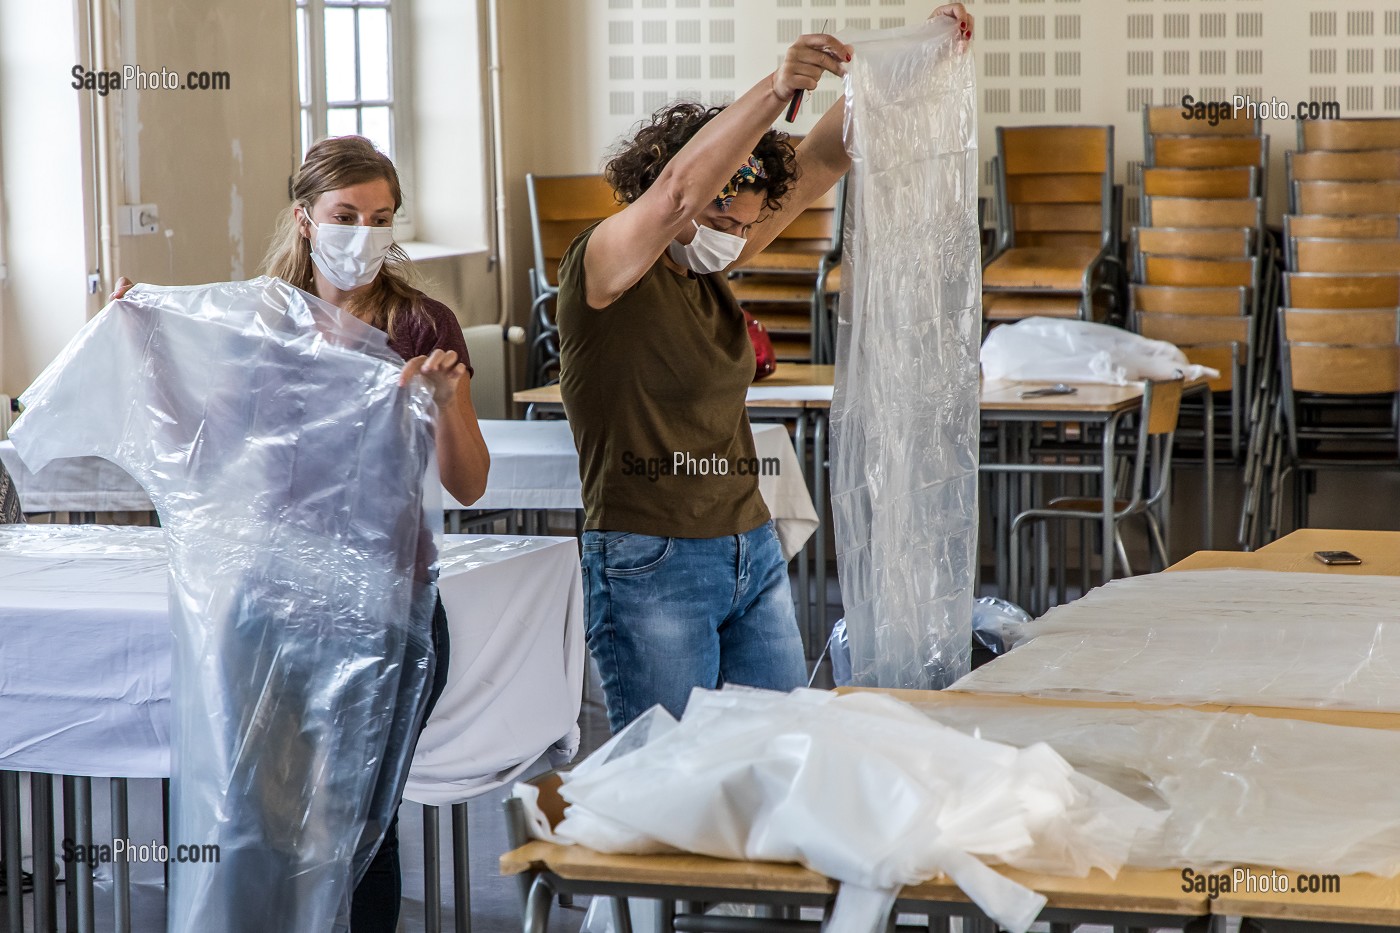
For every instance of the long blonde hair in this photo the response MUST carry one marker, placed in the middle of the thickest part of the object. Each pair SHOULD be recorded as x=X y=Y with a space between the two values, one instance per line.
x=331 y=164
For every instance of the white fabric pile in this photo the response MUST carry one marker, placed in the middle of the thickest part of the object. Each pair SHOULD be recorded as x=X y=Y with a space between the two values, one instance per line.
x=861 y=788
x=1054 y=350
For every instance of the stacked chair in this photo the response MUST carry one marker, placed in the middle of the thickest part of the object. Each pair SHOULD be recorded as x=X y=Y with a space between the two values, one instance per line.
x=793 y=284
x=1338 y=350
x=561 y=207
x=1202 y=260
x=1058 y=228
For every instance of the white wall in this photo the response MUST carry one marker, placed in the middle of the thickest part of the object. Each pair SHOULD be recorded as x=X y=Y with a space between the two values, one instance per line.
x=42 y=301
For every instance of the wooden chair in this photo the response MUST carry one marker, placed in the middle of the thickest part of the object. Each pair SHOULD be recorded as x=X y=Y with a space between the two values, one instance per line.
x=1168 y=120
x=790 y=284
x=1333 y=165
x=1340 y=291
x=1234 y=182
x=1203 y=212
x=1341 y=226
x=1058 y=230
x=1217 y=301
x=1207 y=151
x=1357 y=133
x=1192 y=271
x=1161 y=404
x=561 y=207
x=1345 y=197
x=1203 y=242
x=1313 y=254
x=1341 y=392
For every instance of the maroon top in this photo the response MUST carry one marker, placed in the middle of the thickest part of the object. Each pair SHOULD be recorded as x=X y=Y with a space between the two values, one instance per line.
x=435 y=329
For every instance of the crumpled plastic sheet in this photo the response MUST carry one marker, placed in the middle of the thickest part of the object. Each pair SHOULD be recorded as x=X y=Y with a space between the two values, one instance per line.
x=81 y=541
x=904 y=416
x=1056 y=350
x=1248 y=637
x=861 y=788
x=288 y=470
x=1236 y=789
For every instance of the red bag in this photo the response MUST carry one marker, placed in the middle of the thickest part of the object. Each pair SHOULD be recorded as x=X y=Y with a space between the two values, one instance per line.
x=765 y=360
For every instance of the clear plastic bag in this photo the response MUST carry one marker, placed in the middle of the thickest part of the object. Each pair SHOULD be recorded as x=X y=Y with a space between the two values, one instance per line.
x=288 y=469
x=994 y=621
x=904 y=417
x=1054 y=350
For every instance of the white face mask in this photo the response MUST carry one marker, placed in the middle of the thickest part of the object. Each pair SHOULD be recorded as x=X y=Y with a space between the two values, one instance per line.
x=350 y=256
x=708 y=251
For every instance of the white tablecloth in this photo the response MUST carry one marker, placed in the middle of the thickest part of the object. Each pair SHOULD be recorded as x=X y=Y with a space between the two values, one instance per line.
x=85 y=657
x=533 y=466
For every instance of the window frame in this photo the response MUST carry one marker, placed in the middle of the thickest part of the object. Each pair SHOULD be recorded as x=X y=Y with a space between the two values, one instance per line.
x=314 y=110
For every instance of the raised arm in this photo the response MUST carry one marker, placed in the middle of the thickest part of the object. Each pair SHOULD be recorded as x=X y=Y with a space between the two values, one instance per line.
x=626 y=245
x=822 y=158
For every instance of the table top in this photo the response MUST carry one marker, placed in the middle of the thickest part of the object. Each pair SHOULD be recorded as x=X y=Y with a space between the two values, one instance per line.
x=1379 y=552
x=793 y=385
x=1001 y=396
x=1361 y=899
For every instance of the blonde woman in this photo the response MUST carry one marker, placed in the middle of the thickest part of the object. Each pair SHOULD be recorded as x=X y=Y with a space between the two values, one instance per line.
x=336 y=241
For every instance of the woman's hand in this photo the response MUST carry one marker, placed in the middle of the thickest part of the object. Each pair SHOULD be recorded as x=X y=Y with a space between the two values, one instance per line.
x=958 y=13
x=442 y=372
x=122 y=287
x=807 y=59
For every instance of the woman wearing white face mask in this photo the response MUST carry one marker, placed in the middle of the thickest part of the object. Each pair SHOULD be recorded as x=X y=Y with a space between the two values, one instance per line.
x=336 y=240
x=684 y=581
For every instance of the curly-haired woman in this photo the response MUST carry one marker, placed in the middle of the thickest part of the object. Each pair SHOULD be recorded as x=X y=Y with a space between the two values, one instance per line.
x=684 y=581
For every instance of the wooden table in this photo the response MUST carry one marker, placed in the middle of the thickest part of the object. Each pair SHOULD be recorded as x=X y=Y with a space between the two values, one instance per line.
x=1379 y=552
x=1092 y=403
x=1136 y=898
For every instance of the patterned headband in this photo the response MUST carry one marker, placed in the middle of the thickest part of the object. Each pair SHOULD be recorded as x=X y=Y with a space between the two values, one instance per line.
x=749 y=173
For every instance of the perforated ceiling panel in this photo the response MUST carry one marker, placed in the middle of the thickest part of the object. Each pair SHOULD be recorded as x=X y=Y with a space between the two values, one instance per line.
x=1039 y=61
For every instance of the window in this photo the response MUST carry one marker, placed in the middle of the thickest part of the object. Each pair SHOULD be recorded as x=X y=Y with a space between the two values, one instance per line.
x=349 y=82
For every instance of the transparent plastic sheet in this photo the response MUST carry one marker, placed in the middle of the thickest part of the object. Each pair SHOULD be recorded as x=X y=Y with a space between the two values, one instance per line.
x=1054 y=350
x=1250 y=637
x=1236 y=789
x=904 y=415
x=287 y=467
x=59 y=541
x=861 y=788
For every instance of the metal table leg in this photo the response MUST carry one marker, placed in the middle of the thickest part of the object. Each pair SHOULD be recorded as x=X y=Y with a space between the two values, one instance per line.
x=121 y=870
x=432 y=879
x=1110 y=434
x=79 y=876
x=10 y=852
x=41 y=824
x=537 y=904
x=819 y=496
x=461 y=870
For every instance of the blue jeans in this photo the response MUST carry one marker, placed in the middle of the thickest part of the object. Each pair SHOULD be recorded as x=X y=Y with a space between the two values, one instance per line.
x=669 y=614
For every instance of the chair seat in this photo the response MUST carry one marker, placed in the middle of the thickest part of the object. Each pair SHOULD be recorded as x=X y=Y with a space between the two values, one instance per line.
x=1039 y=267
x=1016 y=306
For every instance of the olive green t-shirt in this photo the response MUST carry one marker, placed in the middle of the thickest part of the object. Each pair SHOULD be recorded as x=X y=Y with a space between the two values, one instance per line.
x=654 y=388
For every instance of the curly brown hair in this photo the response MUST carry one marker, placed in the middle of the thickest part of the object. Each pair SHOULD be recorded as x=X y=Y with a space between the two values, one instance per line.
x=637 y=163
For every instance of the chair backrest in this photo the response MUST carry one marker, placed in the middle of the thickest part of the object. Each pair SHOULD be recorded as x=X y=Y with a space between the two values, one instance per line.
x=1341 y=226
x=1199 y=302
x=1314 y=254
x=1207 y=151
x=1359 y=133
x=1190 y=271
x=1203 y=212
x=1163 y=403
x=1334 y=165
x=1172 y=120
x=800 y=246
x=1055 y=186
x=1352 y=351
x=1333 y=290
x=1220 y=343
x=1205 y=242
x=1234 y=182
x=1346 y=197
x=562 y=207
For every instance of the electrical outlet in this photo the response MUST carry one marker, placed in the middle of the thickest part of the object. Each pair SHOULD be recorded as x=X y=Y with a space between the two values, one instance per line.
x=138 y=219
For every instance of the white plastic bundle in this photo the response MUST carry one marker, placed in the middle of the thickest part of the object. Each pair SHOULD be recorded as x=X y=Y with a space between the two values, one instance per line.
x=904 y=416
x=287 y=465
x=1055 y=350
x=861 y=788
